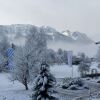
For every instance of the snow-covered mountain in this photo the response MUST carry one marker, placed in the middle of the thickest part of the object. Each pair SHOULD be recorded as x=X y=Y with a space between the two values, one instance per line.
x=18 y=31
x=67 y=36
x=81 y=37
x=78 y=37
x=67 y=33
x=67 y=40
x=76 y=41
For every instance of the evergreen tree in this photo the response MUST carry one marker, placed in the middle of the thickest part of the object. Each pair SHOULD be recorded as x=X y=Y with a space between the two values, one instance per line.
x=60 y=56
x=83 y=68
x=43 y=84
x=65 y=58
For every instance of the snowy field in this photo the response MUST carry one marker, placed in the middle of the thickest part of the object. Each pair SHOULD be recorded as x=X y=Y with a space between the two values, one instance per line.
x=12 y=91
x=16 y=91
x=62 y=71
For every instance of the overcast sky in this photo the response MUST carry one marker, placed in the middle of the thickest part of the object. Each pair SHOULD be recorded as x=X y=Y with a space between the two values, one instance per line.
x=75 y=15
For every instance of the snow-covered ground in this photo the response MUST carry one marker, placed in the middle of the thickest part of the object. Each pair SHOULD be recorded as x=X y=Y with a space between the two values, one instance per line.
x=10 y=90
x=62 y=71
x=16 y=91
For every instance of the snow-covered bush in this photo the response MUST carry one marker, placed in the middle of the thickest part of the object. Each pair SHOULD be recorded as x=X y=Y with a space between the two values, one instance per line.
x=72 y=82
x=73 y=87
x=66 y=83
x=43 y=84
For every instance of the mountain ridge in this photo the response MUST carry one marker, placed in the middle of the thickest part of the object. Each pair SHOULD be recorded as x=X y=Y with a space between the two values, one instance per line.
x=75 y=41
x=22 y=30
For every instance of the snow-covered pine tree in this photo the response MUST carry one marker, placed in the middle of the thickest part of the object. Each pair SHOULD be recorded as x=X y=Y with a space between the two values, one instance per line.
x=43 y=84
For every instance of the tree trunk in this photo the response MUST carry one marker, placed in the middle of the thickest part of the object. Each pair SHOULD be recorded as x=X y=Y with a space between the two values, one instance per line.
x=25 y=83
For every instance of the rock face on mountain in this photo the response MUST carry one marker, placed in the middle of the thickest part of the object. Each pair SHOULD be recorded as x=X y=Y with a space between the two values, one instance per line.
x=81 y=37
x=78 y=37
x=66 y=36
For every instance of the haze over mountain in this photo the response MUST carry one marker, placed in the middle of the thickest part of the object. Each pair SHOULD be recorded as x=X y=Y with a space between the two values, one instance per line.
x=76 y=41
